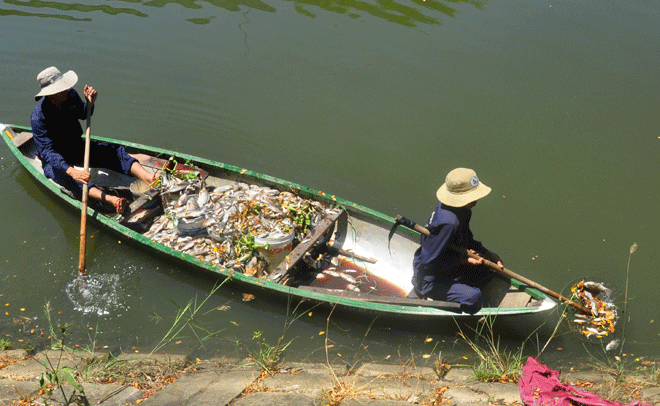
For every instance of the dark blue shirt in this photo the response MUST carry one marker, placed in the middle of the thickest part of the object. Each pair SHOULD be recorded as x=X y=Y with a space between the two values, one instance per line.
x=57 y=132
x=434 y=259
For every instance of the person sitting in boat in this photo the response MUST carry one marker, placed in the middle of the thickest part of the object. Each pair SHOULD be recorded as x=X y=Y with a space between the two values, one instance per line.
x=57 y=135
x=440 y=273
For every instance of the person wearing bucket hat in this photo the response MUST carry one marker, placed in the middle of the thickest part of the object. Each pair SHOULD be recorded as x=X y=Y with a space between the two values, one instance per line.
x=440 y=273
x=57 y=134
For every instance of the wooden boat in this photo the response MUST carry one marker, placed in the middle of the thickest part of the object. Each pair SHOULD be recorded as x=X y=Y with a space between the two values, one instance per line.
x=357 y=239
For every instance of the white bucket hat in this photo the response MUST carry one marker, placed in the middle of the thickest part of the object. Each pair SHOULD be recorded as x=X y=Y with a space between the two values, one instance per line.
x=461 y=187
x=52 y=81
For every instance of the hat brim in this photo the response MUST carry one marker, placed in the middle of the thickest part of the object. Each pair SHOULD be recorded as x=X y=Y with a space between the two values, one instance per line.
x=463 y=199
x=67 y=81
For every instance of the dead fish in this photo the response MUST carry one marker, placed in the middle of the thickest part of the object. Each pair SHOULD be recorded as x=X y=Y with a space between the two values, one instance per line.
x=613 y=345
x=596 y=287
x=348 y=278
x=353 y=287
x=593 y=330
x=203 y=197
x=182 y=200
x=331 y=273
x=192 y=205
x=186 y=246
x=592 y=302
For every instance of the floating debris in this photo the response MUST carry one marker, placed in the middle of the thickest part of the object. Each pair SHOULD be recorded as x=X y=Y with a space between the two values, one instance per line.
x=596 y=297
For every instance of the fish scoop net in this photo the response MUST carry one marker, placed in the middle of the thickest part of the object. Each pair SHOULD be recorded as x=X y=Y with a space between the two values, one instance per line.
x=599 y=298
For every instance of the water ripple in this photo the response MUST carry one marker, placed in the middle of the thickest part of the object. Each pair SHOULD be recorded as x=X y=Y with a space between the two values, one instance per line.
x=97 y=294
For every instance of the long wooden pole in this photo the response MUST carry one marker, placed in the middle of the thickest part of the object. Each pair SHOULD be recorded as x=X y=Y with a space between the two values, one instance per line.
x=85 y=193
x=507 y=272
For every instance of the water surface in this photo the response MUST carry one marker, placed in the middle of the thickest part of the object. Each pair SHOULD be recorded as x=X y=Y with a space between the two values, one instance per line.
x=553 y=103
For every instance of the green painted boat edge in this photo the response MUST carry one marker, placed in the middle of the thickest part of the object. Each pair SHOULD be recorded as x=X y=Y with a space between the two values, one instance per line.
x=263 y=284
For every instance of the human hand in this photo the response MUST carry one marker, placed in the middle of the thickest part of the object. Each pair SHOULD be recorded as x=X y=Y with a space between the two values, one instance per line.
x=78 y=175
x=90 y=94
x=475 y=261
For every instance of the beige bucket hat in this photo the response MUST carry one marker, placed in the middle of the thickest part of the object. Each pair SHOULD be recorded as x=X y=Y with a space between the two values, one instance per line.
x=52 y=81
x=461 y=187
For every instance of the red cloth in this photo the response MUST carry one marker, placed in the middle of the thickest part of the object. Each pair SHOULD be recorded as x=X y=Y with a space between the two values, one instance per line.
x=540 y=385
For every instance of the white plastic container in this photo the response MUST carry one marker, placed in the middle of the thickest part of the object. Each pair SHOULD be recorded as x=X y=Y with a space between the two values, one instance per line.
x=190 y=226
x=277 y=247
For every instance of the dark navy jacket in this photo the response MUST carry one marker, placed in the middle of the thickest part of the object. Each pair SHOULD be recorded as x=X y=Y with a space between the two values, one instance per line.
x=57 y=133
x=434 y=261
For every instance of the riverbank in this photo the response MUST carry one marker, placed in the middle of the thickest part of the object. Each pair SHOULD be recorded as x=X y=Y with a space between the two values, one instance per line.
x=133 y=379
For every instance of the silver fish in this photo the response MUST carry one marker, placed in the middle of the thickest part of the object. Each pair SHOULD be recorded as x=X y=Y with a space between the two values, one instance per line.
x=596 y=288
x=613 y=345
x=182 y=200
x=348 y=278
x=203 y=197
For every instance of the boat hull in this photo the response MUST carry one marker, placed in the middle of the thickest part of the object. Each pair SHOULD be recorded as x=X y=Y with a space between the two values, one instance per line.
x=359 y=230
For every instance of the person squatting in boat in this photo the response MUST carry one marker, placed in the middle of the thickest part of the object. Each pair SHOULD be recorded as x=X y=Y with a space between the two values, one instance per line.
x=440 y=273
x=57 y=135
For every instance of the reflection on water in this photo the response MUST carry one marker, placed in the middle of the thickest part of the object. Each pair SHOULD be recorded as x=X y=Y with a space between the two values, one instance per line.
x=25 y=14
x=73 y=7
x=407 y=13
x=97 y=294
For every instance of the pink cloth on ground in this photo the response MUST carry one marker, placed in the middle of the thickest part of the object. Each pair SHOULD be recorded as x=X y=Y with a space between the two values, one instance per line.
x=540 y=385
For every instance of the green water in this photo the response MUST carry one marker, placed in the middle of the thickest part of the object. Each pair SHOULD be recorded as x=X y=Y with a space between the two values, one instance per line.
x=553 y=103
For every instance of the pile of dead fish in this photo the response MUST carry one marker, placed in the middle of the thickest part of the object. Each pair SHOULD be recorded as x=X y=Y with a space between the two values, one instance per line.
x=219 y=225
x=595 y=296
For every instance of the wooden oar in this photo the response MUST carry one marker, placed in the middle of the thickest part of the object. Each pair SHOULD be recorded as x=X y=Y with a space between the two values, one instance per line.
x=504 y=271
x=85 y=190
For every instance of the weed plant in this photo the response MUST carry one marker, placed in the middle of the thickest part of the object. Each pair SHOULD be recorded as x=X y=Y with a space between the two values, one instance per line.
x=269 y=356
x=5 y=344
x=186 y=319
x=56 y=374
x=495 y=363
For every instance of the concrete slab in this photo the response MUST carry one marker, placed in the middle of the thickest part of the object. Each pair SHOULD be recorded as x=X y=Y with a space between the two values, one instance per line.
x=499 y=392
x=15 y=390
x=572 y=377
x=98 y=394
x=459 y=375
x=374 y=402
x=395 y=387
x=312 y=383
x=461 y=395
x=651 y=395
x=31 y=369
x=275 y=399
x=217 y=387
x=396 y=370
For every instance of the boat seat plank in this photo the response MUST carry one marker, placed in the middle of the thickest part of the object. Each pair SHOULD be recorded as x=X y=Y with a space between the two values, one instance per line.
x=515 y=299
x=281 y=272
x=393 y=300
x=19 y=138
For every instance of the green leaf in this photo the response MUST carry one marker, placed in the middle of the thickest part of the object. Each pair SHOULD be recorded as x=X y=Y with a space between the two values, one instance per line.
x=67 y=374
